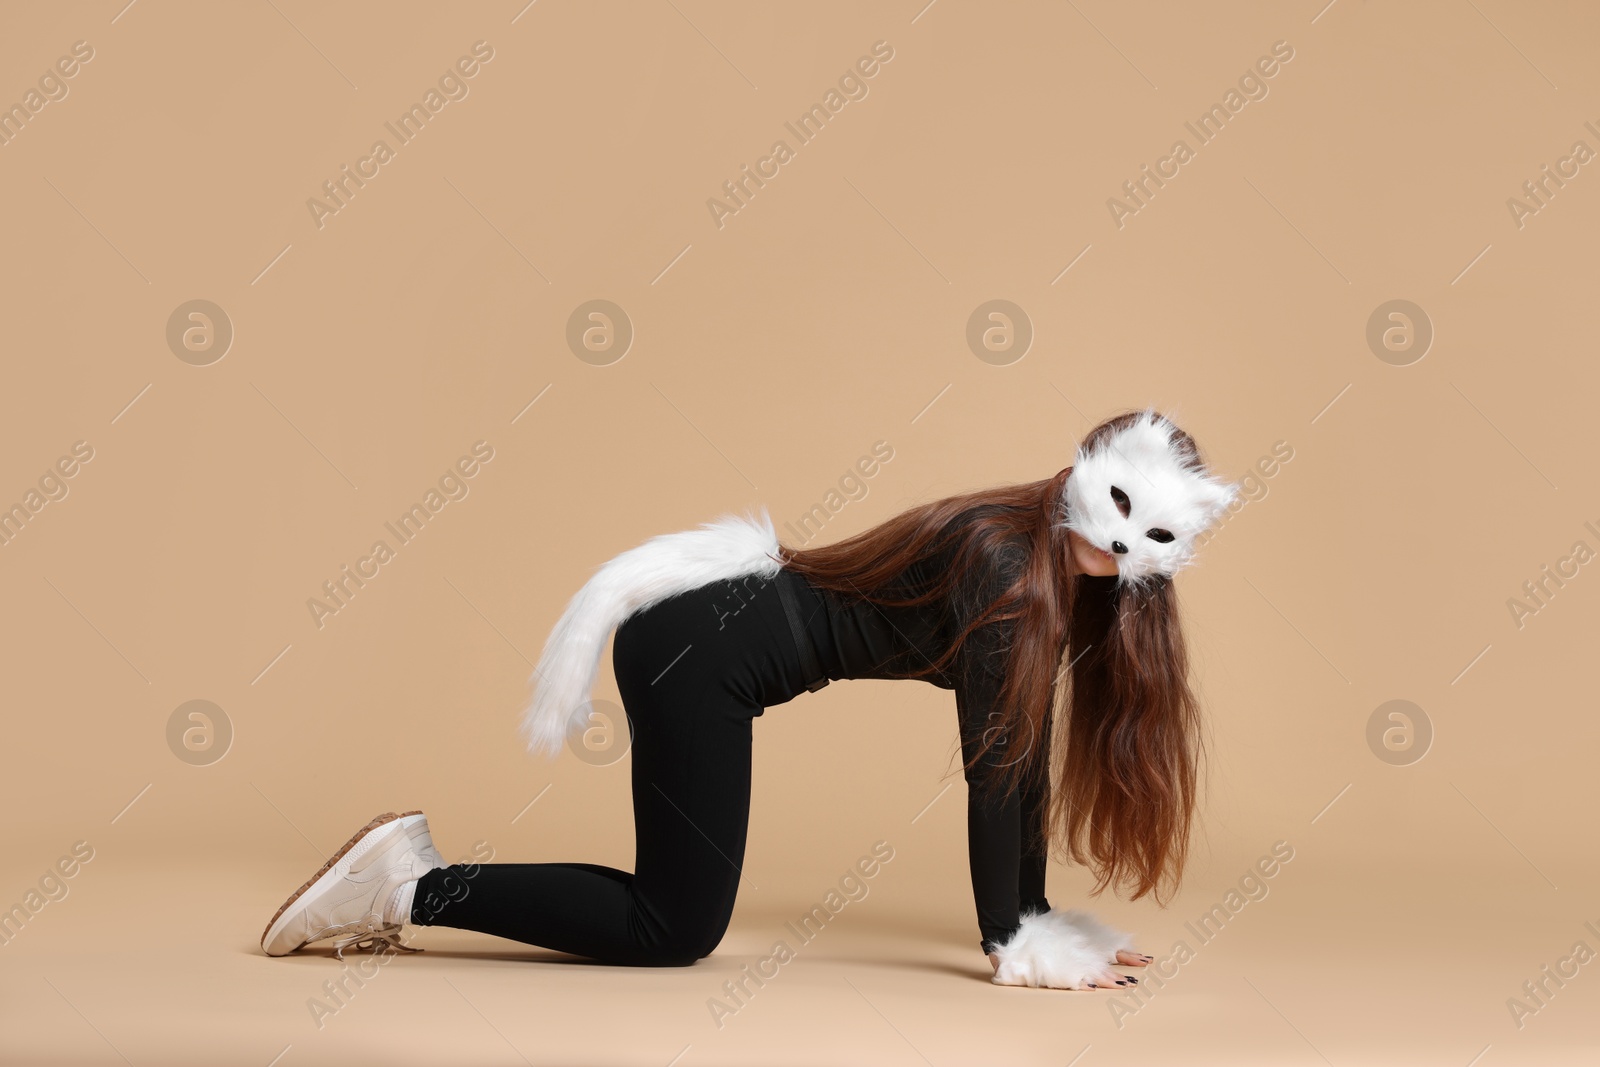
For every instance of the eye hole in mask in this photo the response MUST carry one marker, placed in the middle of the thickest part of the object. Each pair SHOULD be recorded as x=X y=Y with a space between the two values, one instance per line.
x=1159 y=535
x=1121 y=498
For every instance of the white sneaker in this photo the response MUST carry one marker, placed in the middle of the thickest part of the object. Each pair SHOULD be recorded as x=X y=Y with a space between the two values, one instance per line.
x=353 y=896
x=416 y=825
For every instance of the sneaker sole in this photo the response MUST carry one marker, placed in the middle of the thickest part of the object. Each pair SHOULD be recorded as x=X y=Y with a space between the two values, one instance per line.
x=381 y=821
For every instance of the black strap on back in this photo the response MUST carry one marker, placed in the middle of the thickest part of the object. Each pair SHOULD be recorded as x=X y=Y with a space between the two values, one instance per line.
x=809 y=665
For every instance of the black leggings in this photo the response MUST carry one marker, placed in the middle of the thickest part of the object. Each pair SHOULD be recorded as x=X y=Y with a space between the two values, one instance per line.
x=694 y=672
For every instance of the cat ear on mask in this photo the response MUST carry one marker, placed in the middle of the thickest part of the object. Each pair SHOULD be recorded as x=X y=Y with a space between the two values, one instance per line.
x=1222 y=495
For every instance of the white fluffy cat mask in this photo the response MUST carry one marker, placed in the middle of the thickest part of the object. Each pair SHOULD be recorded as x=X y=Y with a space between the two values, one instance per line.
x=1136 y=496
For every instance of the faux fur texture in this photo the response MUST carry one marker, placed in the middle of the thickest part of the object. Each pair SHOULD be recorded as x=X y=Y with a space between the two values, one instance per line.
x=1059 y=950
x=733 y=546
x=1163 y=493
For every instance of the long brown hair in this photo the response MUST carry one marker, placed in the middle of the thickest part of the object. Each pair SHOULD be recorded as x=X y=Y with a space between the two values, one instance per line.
x=1097 y=670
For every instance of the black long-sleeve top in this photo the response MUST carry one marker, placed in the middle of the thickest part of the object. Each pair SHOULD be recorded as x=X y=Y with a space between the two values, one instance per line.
x=856 y=638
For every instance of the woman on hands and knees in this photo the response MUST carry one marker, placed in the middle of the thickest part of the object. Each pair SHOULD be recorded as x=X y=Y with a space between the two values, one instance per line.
x=1047 y=607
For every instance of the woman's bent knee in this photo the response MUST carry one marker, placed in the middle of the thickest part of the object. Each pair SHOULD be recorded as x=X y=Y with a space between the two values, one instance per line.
x=683 y=949
x=669 y=956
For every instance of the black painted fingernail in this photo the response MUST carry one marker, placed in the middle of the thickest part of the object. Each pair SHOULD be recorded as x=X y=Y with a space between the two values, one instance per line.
x=1121 y=982
x=1132 y=979
x=1093 y=986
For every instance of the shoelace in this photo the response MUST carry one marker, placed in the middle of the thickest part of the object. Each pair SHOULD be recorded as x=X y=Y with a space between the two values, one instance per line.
x=367 y=935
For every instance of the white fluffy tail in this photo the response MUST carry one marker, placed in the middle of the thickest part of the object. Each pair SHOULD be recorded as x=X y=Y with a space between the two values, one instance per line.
x=730 y=547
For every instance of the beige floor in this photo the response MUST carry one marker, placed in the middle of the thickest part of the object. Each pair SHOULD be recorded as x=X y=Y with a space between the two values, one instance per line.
x=155 y=965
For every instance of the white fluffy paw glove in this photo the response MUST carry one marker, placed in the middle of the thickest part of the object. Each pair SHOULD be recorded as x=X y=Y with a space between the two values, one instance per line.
x=1060 y=950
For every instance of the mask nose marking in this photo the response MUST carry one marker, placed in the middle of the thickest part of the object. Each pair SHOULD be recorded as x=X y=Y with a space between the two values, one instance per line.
x=1119 y=548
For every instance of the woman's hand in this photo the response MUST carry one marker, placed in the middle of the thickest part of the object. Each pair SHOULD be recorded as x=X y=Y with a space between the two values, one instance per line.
x=1066 y=950
x=1105 y=979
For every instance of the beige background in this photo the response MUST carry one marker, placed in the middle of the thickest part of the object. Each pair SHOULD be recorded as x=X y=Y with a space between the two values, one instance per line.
x=828 y=314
